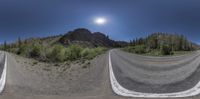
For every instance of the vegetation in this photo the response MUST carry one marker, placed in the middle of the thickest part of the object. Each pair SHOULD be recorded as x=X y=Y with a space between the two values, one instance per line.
x=140 y=49
x=80 y=44
x=23 y=50
x=54 y=53
x=166 y=50
x=89 y=53
x=57 y=54
x=74 y=52
x=160 y=44
x=36 y=51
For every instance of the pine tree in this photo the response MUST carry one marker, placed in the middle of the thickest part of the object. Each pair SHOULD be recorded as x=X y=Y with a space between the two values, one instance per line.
x=5 y=45
x=19 y=42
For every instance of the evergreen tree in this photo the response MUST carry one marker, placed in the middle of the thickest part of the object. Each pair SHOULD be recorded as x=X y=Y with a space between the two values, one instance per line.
x=19 y=42
x=5 y=45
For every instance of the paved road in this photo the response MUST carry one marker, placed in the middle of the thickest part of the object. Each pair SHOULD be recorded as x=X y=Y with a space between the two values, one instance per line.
x=156 y=74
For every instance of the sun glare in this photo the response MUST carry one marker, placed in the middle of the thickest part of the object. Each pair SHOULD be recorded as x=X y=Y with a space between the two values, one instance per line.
x=100 y=21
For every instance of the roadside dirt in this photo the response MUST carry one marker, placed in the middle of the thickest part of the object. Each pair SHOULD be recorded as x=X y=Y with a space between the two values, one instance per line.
x=28 y=77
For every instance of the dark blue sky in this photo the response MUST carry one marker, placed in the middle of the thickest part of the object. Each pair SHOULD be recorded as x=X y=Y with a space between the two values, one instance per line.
x=127 y=19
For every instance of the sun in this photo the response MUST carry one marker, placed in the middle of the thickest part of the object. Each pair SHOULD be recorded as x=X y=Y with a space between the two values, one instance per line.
x=100 y=21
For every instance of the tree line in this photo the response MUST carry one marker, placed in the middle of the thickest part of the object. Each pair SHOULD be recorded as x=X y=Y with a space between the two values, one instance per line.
x=164 y=42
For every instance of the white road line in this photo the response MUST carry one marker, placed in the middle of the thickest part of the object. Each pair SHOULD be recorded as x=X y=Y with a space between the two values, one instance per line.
x=3 y=76
x=120 y=90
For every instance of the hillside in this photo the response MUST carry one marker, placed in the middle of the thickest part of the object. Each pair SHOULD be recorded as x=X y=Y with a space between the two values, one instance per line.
x=161 y=44
x=80 y=36
x=74 y=45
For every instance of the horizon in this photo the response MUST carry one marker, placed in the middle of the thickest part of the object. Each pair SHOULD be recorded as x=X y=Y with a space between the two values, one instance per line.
x=91 y=32
x=123 y=20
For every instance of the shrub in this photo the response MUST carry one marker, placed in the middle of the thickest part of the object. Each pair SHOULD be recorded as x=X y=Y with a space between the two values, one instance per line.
x=166 y=50
x=129 y=49
x=140 y=49
x=99 y=50
x=96 y=51
x=1 y=47
x=23 y=50
x=67 y=54
x=37 y=51
x=57 y=54
x=13 y=50
x=73 y=52
x=92 y=54
x=85 y=52
x=34 y=63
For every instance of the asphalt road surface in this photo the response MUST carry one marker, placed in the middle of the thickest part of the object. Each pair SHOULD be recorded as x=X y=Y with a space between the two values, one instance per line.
x=156 y=74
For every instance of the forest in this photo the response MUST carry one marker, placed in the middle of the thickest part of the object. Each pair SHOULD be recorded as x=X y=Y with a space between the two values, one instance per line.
x=161 y=44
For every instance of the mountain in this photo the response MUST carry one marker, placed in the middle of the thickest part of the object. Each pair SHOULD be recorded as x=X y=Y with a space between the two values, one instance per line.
x=78 y=36
x=85 y=37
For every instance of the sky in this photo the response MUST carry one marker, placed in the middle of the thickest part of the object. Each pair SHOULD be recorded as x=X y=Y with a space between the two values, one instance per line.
x=126 y=19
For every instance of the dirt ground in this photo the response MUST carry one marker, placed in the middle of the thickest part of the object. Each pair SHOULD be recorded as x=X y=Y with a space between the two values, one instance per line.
x=79 y=78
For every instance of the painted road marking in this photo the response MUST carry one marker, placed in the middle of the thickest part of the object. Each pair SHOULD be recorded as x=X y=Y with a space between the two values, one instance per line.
x=3 y=75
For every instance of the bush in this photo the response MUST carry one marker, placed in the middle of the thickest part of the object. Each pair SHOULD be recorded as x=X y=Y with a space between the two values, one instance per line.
x=92 y=54
x=37 y=51
x=85 y=52
x=96 y=51
x=67 y=54
x=166 y=50
x=73 y=52
x=129 y=49
x=140 y=49
x=13 y=50
x=23 y=50
x=99 y=50
x=57 y=54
